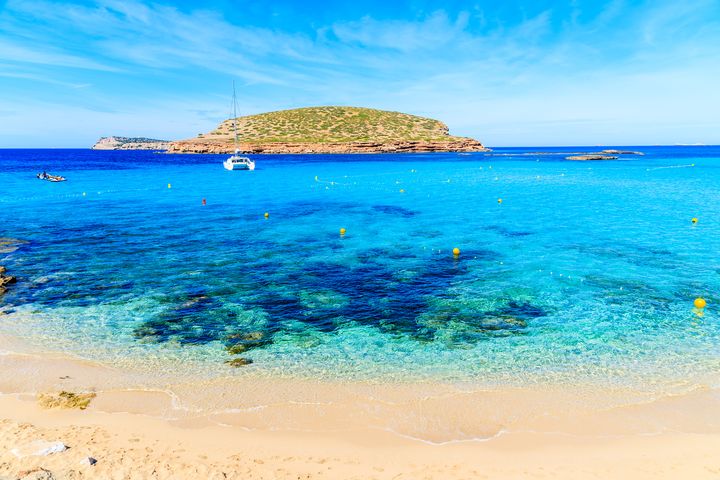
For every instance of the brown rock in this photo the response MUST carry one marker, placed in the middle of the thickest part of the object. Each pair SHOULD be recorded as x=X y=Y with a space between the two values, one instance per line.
x=5 y=280
x=210 y=146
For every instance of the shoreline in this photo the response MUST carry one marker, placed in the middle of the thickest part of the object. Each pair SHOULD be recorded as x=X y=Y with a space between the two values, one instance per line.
x=133 y=445
x=434 y=413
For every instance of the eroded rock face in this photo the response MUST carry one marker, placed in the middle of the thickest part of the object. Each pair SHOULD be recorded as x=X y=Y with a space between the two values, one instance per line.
x=130 y=143
x=199 y=146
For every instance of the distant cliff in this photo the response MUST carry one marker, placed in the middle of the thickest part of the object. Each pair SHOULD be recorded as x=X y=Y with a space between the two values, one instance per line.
x=134 y=143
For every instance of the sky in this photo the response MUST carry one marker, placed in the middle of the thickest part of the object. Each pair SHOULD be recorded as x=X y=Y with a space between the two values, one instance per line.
x=510 y=73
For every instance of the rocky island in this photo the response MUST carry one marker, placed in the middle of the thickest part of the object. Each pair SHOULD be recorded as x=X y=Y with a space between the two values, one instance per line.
x=591 y=156
x=327 y=130
x=602 y=155
x=130 y=143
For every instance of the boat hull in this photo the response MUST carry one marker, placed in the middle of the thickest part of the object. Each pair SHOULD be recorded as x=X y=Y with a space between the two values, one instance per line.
x=244 y=164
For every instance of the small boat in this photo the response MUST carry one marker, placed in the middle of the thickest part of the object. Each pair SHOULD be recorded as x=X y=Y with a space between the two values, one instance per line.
x=237 y=161
x=51 y=178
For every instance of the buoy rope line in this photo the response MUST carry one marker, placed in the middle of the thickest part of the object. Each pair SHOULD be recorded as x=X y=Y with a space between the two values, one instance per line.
x=332 y=181
x=317 y=179
x=81 y=194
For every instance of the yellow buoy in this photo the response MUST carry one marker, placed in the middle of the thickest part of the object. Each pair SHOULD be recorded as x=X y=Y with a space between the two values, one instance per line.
x=402 y=190
x=266 y=215
x=700 y=303
x=499 y=200
x=694 y=220
x=342 y=231
x=456 y=251
x=169 y=185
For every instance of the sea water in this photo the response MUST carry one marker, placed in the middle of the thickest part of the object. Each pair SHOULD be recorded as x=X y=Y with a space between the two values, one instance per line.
x=583 y=272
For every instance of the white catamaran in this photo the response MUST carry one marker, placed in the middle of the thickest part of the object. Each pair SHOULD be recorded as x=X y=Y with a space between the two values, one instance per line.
x=237 y=161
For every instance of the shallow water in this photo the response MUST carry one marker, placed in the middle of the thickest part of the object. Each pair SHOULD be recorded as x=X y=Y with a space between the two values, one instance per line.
x=586 y=271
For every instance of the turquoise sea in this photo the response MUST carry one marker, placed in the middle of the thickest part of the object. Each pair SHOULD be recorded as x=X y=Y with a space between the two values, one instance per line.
x=586 y=272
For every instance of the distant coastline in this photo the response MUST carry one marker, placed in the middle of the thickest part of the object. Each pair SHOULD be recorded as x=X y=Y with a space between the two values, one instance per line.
x=130 y=143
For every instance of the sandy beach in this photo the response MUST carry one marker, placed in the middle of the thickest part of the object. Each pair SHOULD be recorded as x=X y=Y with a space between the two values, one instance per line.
x=140 y=432
x=137 y=446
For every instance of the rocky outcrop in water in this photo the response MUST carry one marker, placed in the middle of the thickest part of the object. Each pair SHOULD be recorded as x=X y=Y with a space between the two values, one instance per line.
x=5 y=280
x=591 y=157
x=7 y=245
x=463 y=145
x=130 y=143
x=609 y=154
x=239 y=362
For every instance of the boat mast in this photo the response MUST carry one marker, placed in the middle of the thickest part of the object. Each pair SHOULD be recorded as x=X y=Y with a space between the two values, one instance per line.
x=235 y=118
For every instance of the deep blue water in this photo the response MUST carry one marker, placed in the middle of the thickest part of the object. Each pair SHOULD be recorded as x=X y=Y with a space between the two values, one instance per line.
x=585 y=272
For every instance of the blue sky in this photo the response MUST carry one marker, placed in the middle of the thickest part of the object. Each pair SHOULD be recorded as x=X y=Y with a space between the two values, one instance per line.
x=508 y=73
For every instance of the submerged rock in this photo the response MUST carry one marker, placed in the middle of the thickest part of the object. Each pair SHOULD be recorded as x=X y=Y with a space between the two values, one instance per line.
x=323 y=299
x=502 y=322
x=242 y=342
x=9 y=245
x=195 y=318
x=239 y=362
x=253 y=336
x=237 y=348
x=394 y=210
